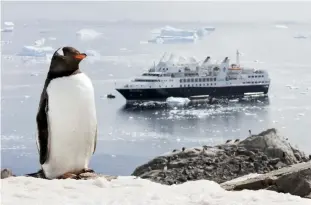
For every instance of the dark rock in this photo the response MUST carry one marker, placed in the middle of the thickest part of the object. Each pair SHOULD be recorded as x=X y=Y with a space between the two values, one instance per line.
x=264 y=158
x=280 y=165
x=5 y=173
x=260 y=153
x=297 y=155
x=274 y=161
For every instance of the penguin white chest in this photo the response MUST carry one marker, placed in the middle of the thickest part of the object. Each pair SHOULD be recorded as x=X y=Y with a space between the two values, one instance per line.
x=72 y=124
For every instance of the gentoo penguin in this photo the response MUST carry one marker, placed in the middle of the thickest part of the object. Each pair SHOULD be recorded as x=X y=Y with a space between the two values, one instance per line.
x=66 y=118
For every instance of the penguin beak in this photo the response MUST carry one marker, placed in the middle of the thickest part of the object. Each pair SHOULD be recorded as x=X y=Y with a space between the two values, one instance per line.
x=80 y=56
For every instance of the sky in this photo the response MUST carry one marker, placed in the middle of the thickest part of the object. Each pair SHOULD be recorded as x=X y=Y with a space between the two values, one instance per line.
x=230 y=11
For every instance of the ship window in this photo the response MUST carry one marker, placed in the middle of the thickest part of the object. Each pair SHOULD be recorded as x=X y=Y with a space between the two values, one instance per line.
x=199 y=84
x=215 y=80
x=207 y=79
x=192 y=80
x=196 y=80
x=188 y=80
x=200 y=80
x=180 y=80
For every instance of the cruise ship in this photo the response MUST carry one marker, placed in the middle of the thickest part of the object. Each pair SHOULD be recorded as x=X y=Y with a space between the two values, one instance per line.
x=191 y=79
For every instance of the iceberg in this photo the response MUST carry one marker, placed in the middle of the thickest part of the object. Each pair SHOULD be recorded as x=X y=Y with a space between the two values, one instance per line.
x=36 y=51
x=170 y=34
x=281 y=26
x=132 y=191
x=88 y=34
x=9 y=27
x=170 y=31
x=9 y=23
x=173 y=39
x=40 y=42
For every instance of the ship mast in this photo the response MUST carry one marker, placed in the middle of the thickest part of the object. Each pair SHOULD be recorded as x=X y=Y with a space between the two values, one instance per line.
x=237 y=58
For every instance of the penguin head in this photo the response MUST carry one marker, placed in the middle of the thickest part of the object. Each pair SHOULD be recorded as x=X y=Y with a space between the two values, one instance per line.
x=65 y=61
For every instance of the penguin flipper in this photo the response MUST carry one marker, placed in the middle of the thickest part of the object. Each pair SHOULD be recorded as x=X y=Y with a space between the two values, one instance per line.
x=42 y=126
x=95 y=140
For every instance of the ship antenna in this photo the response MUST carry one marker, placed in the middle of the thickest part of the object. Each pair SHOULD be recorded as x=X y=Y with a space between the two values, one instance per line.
x=238 y=58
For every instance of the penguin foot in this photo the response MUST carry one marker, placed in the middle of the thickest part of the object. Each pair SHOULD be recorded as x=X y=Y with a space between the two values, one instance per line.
x=68 y=175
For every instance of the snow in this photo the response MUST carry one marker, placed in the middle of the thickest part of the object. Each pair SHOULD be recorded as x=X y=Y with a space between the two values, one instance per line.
x=88 y=34
x=128 y=190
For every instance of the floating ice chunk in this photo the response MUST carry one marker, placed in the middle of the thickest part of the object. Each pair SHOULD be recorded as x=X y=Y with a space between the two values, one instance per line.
x=209 y=28
x=9 y=23
x=301 y=36
x=201 y=32
x=173 y=39
x=40 y=42
x=177 y=101
x=7 y=29
x=35 y=51
x=52 y=38
x=88 y=34
x=171 y=31
x=281 y=26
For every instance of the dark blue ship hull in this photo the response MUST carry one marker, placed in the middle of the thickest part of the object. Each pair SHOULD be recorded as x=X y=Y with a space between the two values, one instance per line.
x=186 y=92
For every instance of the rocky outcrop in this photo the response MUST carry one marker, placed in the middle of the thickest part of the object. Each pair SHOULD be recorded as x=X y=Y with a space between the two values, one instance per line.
x=295 y=179
x=260 y=153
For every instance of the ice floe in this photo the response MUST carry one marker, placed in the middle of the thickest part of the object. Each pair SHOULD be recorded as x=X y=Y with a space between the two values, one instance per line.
x=36 y=51
x=8 y=27
x=175 y=101
x=88 y=34
x=281 y=26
